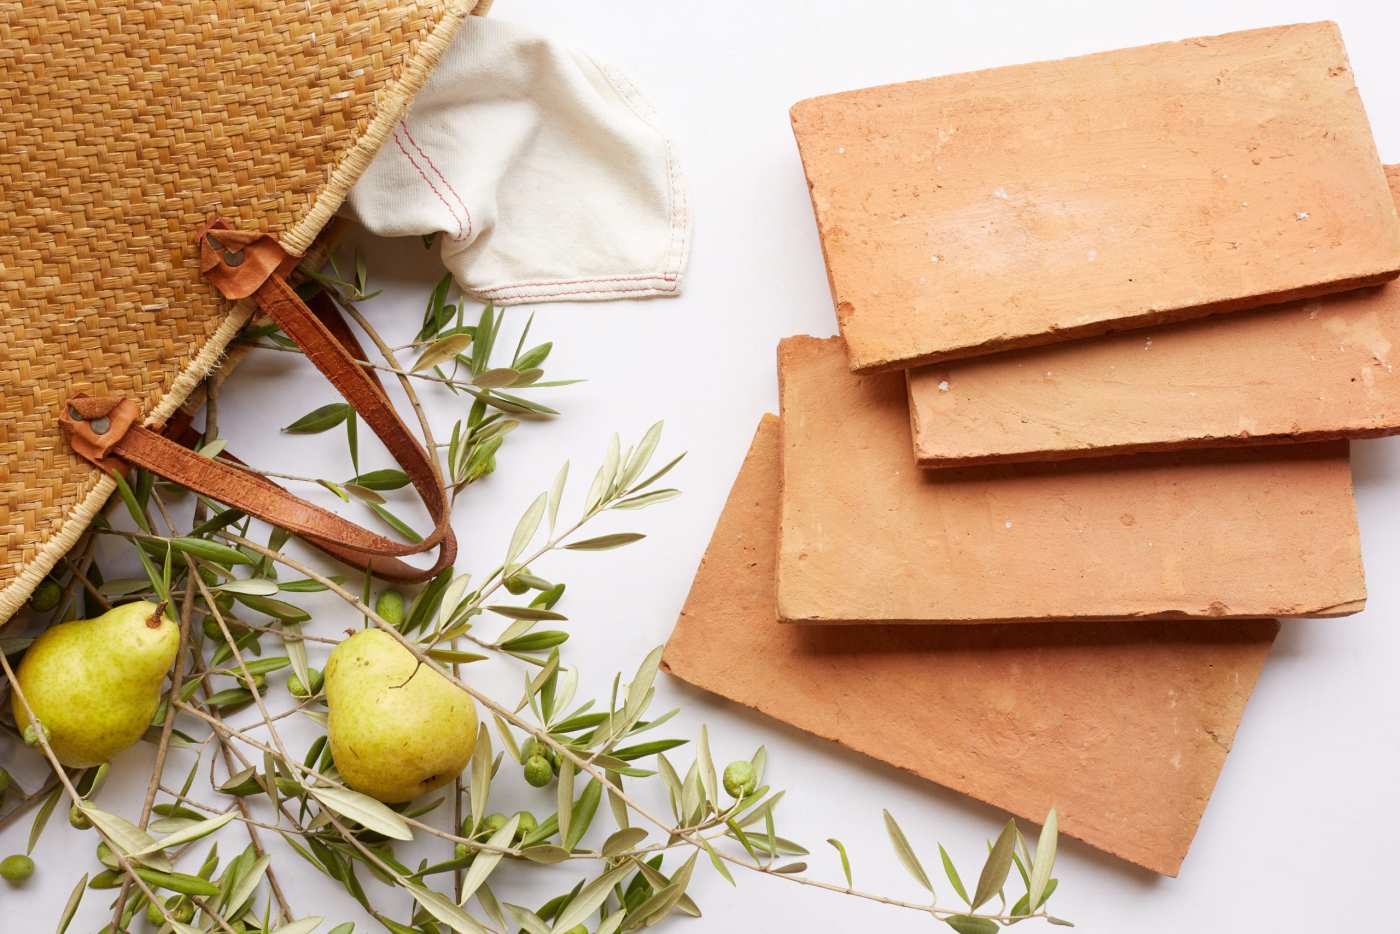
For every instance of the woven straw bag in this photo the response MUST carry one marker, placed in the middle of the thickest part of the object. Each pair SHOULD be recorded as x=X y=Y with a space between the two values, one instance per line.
x=163 y=165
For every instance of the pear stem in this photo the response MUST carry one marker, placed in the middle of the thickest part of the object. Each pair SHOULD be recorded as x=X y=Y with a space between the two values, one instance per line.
x=154 y=621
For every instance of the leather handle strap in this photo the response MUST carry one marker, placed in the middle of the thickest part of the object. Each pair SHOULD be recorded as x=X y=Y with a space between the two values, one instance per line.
x=181 y=431
x=242 y=265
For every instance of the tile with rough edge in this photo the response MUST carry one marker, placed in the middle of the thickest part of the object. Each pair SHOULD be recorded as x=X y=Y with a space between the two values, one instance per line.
x=1306 y=371
x=1000 y=209
x=1122 y=727
x=867 y=536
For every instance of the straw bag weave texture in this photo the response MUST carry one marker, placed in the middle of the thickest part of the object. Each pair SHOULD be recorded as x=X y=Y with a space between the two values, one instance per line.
x=124 y=128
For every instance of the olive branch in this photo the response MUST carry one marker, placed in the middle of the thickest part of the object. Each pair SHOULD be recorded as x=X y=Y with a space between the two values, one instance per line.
x=235 y=594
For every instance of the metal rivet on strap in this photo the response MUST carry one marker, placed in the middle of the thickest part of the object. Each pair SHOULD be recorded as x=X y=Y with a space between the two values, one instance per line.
x=100 y=426
x=231 y=257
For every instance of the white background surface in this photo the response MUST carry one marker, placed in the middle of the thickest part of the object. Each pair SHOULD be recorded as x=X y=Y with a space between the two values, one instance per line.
x=1298 y=836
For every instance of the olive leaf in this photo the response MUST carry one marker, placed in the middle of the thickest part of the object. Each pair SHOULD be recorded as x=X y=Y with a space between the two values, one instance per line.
x=443 y=909
x=381 y=480
x=706 y=766
x=642 y=500
x=640 y=457
x=1044 y=861
x=565 y=795
x=441 y=350
x=581 y=815
x=997 y=867
x=499 y=378
x=209 y=551
x=525 y=530
x=255 y=586
x=201 y=829
x=906 y=852
x=664 y=901
x=363 y=810
x=605 y=542
x=556 y=493
x=589 y=899
x=486 y=860
x=845 y=860
x=623 y=840
x=322 y=419
x=133 y=842
x=180 y=882
x=41 y=819
x=951 y=871
x=71 y=908
x=966 y=924
x=247 y=884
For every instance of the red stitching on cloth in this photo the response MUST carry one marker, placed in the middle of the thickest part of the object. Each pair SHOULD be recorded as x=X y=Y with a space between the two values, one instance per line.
x=438 y=172
x=429 y=183
x=665 y=277
x=620 y=290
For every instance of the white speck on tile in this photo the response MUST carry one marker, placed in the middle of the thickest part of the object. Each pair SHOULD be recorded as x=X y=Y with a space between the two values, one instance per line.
x=1301 y=215
x=935 y=258
x=1093 y=255
x=1148 y=344
x=1008 y=523
x=1176 y=761
x=1143 y=165
x=840 y=150
x=1001 y=193
x=943 y=385
x=1244 y=204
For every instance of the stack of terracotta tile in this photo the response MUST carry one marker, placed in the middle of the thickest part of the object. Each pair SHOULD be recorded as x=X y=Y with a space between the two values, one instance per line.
x=1132 y=305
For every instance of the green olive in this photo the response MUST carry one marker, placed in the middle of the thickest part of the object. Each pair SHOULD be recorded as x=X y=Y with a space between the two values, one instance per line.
x=46 y=596
x=538 y=771
x=389 y=606
x=16 y=868
x=527 y=825
x=739 y=778
x=298 y=689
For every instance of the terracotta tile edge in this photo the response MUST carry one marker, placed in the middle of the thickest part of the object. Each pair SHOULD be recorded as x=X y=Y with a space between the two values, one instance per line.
x=865 y=365
x=930 y=457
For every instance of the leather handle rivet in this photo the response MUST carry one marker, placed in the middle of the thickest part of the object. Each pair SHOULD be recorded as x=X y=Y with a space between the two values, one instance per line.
x=231 y=257
x=100 y=426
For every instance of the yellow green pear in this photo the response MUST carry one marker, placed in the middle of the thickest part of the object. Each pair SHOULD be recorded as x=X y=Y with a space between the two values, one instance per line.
x=397 y=729
x=94 y=684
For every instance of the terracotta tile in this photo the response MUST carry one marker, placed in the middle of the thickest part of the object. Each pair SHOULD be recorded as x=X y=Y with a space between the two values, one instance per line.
x=1122 y=727
x=1305 y=371
x=1020 y=206
x=868 y=536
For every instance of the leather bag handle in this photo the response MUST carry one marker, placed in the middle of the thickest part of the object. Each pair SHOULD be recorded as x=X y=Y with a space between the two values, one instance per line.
x=242 y=265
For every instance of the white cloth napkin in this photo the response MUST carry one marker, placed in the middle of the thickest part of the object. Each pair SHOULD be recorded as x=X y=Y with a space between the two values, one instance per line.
x=542 y=171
